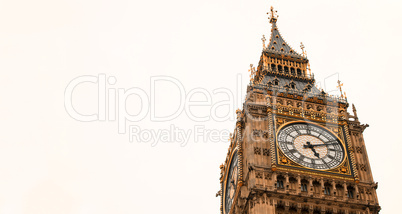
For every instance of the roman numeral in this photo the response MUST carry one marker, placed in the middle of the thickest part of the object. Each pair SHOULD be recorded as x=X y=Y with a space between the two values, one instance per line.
x=297 y=130
x=308 y=130
x=325 y=163
x=290 y=143
x=301 y=158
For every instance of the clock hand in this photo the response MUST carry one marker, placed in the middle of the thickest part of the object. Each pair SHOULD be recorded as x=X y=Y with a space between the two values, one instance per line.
x=312 y=149
x=326 y=144
x=312 y=145
x=308 y=145
x=315 y=153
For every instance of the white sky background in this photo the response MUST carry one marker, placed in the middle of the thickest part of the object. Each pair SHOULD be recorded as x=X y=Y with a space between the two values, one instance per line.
x=51 y=163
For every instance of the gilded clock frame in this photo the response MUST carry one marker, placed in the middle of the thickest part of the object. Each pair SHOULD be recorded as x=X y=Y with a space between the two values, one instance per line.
x=345 y=164
x=225 y=179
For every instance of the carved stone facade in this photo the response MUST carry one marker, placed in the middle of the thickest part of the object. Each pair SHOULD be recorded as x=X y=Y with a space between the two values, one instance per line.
x=268 y=180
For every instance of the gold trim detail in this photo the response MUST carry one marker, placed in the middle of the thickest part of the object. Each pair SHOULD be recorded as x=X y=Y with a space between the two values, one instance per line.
x=352 y=156
x=271 y=140
x=342 y=169
x=240 y=153
x=286 y=169
x=225 y=180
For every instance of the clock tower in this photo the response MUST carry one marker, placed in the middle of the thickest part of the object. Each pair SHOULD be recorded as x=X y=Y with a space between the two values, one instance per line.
x=295 y=148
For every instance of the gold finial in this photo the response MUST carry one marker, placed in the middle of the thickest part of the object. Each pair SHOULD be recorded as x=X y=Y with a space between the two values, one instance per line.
x=340 y=88
x=263 y=41
x=252 y=73
x=273 y=16
x=304 y=53
x=252 y=69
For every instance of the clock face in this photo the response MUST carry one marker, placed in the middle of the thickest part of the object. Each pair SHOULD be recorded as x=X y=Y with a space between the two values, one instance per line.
x=231 y=183
x=311 y=146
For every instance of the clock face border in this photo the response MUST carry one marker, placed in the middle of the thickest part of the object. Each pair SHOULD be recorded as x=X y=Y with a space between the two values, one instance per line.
x=229 y=171
x=278 y=150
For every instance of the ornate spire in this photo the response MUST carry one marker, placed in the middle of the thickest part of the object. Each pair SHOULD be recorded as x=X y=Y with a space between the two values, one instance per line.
x=273 y=16
x=277 y=44
x=263 y=41
x=340 y=88
x=252 y=73
x=304 y=53
x=279 y=59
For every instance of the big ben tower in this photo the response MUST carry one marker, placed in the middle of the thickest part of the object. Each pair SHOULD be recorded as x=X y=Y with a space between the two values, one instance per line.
x=295 y=148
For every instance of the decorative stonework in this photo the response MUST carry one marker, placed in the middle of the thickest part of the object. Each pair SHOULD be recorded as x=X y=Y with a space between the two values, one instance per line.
x=352 y=157
x=282 y=91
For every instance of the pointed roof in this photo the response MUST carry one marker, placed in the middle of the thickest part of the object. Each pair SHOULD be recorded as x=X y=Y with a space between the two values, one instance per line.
x=277 y=45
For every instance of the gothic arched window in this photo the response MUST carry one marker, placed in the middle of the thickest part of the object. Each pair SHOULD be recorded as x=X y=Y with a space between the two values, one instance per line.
x=292 y=70
x=304 y=185
x=276 y=81
x=286 y=69
x=280 y=68
x=273 y=67
x=292 y=85
x=351 y=192
x=327 y=189
x=279 y=182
